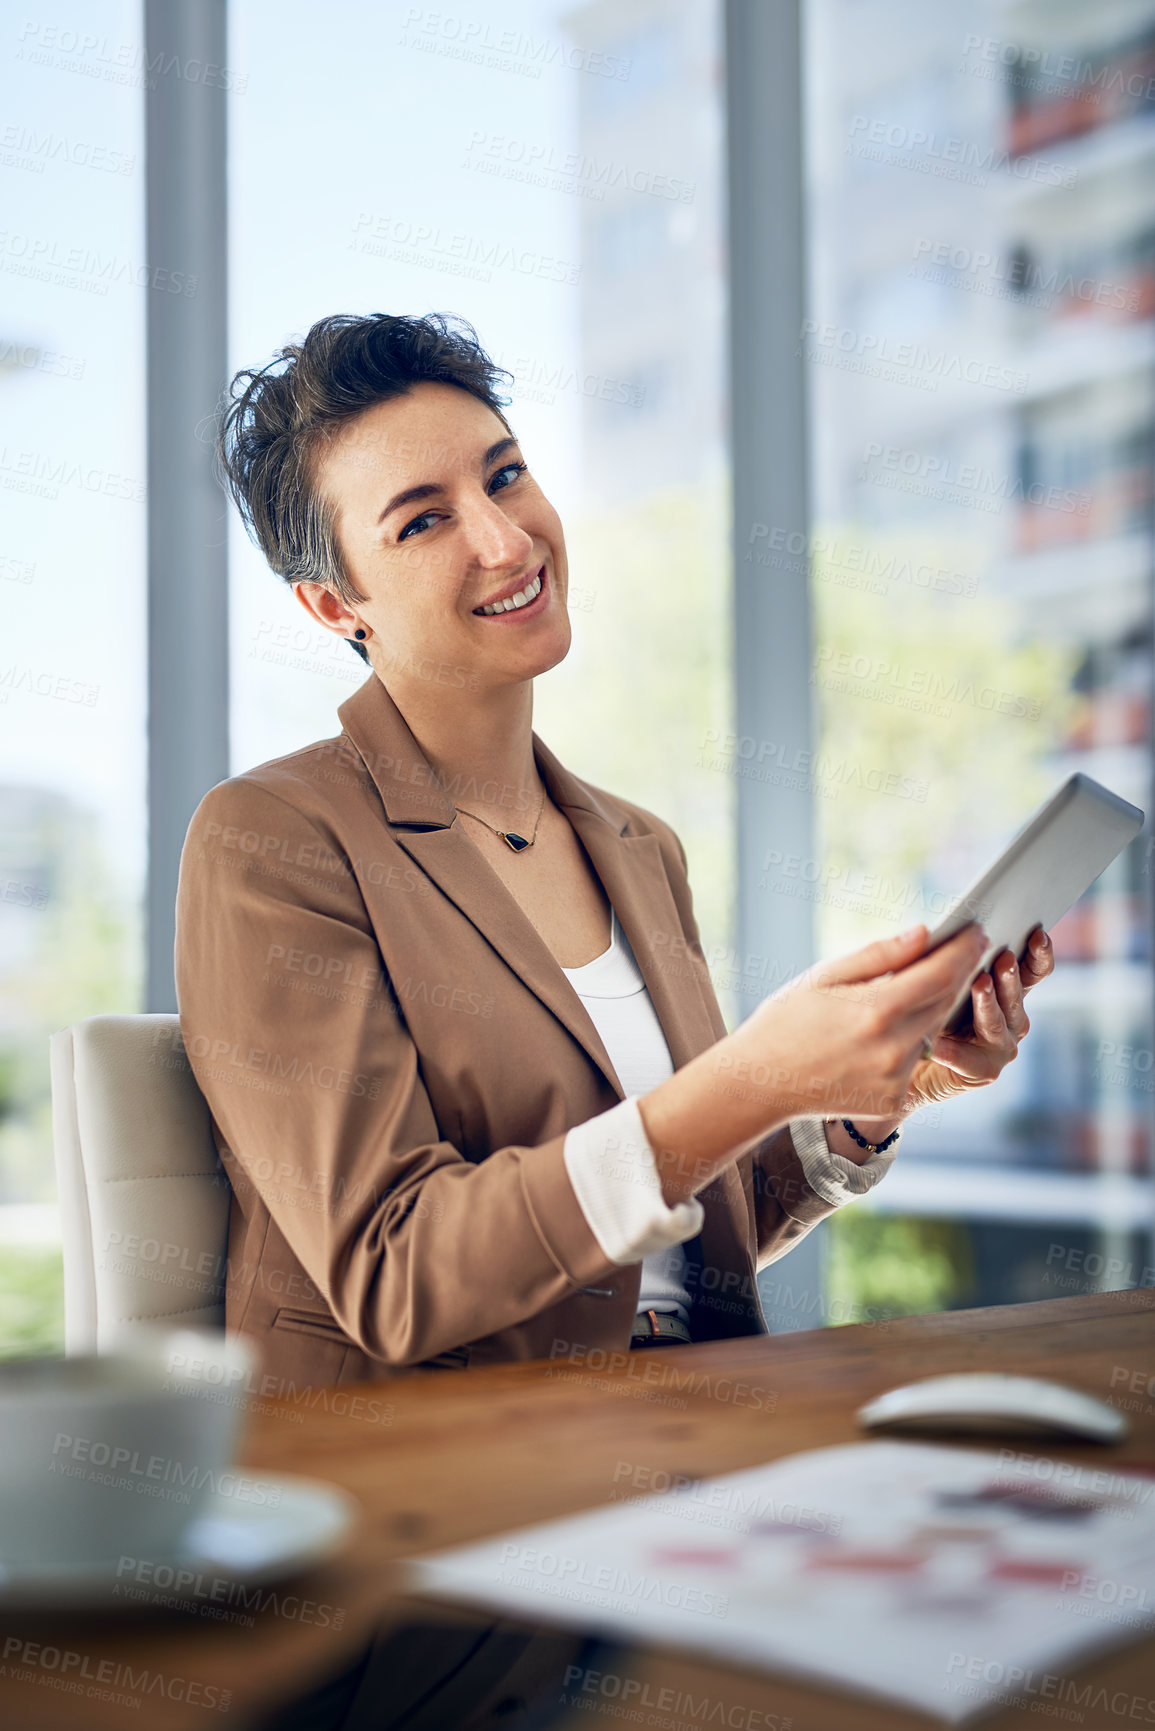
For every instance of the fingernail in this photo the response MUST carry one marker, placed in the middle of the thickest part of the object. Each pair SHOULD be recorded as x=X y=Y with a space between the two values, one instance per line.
x=911 y=931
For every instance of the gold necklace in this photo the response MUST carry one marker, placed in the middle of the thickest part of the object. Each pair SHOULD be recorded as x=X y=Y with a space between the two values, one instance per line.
x=510 y=837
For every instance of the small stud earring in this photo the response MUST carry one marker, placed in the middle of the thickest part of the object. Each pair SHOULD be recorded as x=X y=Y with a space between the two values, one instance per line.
x=359 y=634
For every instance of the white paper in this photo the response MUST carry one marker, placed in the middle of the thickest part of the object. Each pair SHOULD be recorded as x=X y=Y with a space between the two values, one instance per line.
x=946 y=1579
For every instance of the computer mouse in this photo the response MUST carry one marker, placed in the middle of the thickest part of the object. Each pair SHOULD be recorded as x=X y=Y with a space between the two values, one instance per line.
x=985 y=1401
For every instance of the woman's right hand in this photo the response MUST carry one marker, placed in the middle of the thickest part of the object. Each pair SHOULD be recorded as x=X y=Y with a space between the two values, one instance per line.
x=845 y=1037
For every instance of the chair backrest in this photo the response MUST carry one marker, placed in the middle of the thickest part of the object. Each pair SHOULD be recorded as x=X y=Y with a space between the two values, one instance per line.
x=144 y=1201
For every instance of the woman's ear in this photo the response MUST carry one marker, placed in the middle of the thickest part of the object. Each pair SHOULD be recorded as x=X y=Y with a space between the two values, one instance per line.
x=326 y=607
x=328 y=610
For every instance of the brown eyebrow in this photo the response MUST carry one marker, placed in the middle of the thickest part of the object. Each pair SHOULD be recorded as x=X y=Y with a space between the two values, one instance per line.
x=432 y=489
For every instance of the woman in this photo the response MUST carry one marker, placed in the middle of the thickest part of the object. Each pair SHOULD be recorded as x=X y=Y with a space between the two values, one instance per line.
x=468 y=1077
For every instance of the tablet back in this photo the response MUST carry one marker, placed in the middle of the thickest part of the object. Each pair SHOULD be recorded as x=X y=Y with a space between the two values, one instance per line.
x=1055 y=857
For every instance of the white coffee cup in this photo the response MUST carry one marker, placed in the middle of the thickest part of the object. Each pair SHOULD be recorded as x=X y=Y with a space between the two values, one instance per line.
x=103 y=1457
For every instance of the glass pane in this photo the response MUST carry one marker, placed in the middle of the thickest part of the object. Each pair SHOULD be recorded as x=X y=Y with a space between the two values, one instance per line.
x=72 y=584
x=981 y=335
x=553 y=176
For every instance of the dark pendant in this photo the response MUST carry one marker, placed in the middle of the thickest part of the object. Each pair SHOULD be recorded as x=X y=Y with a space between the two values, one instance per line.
x=517 y=842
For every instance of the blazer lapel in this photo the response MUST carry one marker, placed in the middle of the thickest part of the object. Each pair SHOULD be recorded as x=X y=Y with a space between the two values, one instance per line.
x=455 y=866
x=423 y=818
x=634 y=876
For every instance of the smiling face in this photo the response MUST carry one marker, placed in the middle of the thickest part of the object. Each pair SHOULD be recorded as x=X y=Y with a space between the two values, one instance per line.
x=458 y=553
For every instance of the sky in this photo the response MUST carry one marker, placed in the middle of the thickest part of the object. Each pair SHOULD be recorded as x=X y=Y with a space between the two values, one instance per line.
x=72 y=459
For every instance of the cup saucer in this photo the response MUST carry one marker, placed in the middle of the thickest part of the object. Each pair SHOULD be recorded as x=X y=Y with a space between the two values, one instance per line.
x=230 y=1544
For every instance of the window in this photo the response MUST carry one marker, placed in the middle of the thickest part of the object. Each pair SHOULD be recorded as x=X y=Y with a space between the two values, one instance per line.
x=72 y=588
x=446 y=161
x=983 y=489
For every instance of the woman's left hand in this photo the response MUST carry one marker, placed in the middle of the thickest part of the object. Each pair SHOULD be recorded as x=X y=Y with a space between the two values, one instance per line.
x=960 y=1063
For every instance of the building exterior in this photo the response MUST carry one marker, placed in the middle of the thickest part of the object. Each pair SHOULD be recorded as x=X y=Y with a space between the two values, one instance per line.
x=984 y=349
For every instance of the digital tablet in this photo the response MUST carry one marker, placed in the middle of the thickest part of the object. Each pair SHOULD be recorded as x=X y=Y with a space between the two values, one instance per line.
x=1057 y=854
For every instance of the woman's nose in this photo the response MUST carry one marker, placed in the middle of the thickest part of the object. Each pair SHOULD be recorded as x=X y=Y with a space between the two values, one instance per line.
x=494 y=538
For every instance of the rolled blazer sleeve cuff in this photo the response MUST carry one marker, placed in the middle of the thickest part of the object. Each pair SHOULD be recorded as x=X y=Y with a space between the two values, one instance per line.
x=832 y=1176
x=615 y=1178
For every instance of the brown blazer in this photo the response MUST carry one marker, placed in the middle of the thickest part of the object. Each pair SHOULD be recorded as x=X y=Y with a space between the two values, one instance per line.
x=392 y=1057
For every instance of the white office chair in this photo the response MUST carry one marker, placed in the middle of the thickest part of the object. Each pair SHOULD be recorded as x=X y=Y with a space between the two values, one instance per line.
x=144 y=1201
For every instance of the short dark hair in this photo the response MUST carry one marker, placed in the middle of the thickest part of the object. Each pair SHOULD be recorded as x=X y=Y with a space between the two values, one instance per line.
x=277 y=417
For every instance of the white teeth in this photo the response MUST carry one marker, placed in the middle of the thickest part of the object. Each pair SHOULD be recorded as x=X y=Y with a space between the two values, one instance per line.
x=530 y=593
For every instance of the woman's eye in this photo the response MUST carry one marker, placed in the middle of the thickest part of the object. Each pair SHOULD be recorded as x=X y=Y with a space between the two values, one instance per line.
x=417 y=524
x=504 y=477
x=511 y=470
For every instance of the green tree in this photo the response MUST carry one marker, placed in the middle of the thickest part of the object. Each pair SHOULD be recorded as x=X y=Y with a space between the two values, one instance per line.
x=895 y=1265
x=937 y=713
x=645 y=690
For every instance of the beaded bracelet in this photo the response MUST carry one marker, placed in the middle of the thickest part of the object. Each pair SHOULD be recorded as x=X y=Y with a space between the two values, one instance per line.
x=871 y=1147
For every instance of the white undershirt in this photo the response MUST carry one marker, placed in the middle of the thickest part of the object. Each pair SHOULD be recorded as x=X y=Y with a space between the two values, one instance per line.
x=609 y=1160
x=620 y=1007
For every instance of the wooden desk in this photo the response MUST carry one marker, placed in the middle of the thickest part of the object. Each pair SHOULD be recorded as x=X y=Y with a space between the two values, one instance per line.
x=444 y=1458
